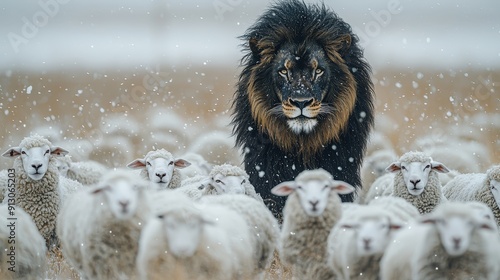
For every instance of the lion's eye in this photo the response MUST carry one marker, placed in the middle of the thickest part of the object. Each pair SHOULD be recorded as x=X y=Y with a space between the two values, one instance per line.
x=283 y=72
x=318 y=71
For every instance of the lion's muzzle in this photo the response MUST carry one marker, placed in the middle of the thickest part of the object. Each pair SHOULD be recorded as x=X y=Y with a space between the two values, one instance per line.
x=301 y=114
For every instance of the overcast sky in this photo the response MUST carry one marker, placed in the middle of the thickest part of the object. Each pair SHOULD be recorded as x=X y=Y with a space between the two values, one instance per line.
x=49 y=34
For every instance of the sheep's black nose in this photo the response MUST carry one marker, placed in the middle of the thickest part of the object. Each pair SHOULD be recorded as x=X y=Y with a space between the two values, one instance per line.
x=366 y=241
x=415 y=182
x=36 y=166
x=123 y=203
x=161 y=175
x=314 y=203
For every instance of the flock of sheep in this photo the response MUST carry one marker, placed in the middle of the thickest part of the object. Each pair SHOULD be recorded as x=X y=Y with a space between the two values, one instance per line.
x=169 y=217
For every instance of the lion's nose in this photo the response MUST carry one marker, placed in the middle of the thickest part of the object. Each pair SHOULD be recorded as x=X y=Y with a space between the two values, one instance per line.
x=301 y=103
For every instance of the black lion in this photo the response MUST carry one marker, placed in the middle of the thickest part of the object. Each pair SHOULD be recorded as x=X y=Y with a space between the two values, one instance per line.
x=304 y=98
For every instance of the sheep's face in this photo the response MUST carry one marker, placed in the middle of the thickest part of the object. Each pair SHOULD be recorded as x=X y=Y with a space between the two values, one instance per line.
x=229 y=184
x=36 y=159
x=313 y=194
x=183 y=235
x=455 y=233
x=495 y=190
x=416 y=174
x=122 y=197
x=373 y=234
x=63 y=167
x=160 y=170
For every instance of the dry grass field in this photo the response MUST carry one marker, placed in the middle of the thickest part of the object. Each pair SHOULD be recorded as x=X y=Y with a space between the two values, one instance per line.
x=409 y=103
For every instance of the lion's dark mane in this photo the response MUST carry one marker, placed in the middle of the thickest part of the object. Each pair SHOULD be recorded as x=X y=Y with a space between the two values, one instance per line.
x=267 y=160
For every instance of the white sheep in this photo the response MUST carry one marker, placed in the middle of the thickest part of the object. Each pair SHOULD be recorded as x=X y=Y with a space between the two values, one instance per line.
x=222 y=179
x=483 y=187
x=40 y=190
x=161 y=168
x=382 y=186
x=21 y=245
x=4 y=183
x=99 y=227
x=217 y=147
x=357 y=242
x=416 y=180
x=185 y=241
x=199 y=166
x=473 y=156
x=373 y=167
x=262 y=224
x=312 y=208
x=398 y=206
x=85 y=172
x=453 y=242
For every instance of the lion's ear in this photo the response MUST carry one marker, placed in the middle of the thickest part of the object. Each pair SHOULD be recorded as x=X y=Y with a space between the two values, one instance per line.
x=342 y=43
x=338 y=47
x=253 y=42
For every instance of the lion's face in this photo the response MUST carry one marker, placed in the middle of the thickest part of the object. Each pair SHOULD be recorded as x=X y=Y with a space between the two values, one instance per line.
x=301 y=85
x=300 y=94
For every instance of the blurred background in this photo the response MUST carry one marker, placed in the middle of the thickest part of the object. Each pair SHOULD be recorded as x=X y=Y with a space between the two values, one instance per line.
x=110 y=80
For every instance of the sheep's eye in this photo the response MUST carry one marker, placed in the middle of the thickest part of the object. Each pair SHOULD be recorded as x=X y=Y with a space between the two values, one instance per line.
x=218 y=181
x=299 y=187
x=493 y=188
x=403 y=167
x=244 y=181
x=23 y=152
x=325 y=187
x=283 y=72
x=160 y=216
x=428 y=166
x=170 y=163
x=48 y=151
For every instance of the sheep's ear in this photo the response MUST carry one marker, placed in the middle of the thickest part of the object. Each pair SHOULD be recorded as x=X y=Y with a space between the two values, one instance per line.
x=181 y=163
x=284 y=189
x=395 y=226
x=439 y=167
x=58 y=151
x=12 y=152
x=342 y=187
x=137 y=163
x=394 y=167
